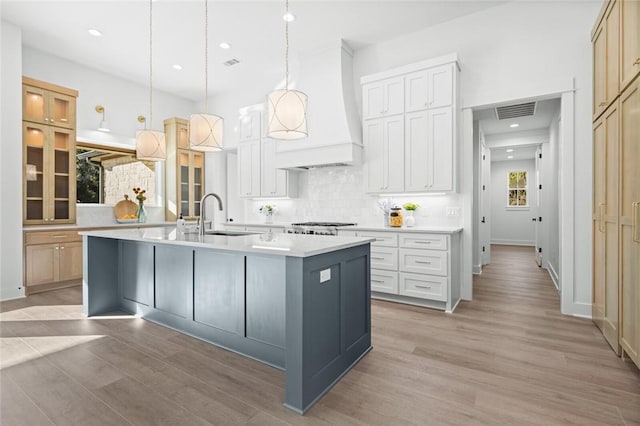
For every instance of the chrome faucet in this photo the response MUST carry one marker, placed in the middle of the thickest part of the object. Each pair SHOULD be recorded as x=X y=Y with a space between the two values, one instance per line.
x=203 y=210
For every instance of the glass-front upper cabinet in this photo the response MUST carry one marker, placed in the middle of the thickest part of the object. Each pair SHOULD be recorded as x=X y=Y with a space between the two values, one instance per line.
x=49 y=104
x=49 y=138
x=49 y=174
x=191 y=182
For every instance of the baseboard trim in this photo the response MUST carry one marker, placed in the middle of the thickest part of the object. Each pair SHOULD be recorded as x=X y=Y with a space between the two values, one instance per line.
x=514 y=242
x=581 y=310
x=554 y=276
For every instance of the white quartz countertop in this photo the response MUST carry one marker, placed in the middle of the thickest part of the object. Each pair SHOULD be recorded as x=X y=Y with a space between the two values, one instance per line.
x=265 y=225
x=72 y=227
x=421 y=229
x=295 y=245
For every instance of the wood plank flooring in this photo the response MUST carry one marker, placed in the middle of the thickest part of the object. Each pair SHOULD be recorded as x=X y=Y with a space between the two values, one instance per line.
x=509 y=357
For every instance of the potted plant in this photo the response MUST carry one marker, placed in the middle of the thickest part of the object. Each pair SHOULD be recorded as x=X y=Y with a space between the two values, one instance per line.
x=267 y=210
x=410 y=208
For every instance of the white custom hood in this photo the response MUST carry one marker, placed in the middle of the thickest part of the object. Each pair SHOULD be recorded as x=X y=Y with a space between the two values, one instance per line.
x=335 y=135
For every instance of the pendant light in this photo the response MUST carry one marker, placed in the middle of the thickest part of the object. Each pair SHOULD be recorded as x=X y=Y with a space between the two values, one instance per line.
x=287 y=108
x=150 y=144
x=205 y=130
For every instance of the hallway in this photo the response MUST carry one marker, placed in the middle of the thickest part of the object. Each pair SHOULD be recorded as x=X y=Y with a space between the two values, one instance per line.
x=508 y=357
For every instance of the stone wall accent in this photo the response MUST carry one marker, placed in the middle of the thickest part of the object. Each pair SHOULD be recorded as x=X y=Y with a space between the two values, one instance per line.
x=122 y=174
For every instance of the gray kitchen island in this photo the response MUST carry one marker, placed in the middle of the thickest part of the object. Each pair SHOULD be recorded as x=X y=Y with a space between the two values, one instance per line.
x=299 y=303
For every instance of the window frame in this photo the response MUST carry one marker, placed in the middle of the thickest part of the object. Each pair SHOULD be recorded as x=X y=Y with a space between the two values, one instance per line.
x=518 y=188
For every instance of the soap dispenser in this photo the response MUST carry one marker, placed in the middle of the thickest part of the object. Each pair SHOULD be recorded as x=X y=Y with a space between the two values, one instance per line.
x=180 y=225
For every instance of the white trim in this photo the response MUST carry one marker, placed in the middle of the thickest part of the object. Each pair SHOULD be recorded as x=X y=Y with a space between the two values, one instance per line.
x=477 y=269
x=502 y=242
x=417 y=66
x=568 y=305
x=516 y=208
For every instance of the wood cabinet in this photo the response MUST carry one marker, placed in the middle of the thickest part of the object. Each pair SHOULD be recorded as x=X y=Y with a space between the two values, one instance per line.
x=53 y=259
x=258 y=175
x=383 y=98
x=48 y=156
x=630 y=221
x=416 y=268
x=606 y=53
x=616 y=188
x=629 y=41
x=605 y=225
x=48 y=104
x=421 y=156
x=384 y=153
x=184 y=172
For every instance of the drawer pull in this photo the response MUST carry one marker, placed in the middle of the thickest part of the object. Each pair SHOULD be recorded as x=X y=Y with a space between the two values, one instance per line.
x=377 y=258
x=58 y=236
x=377 y=281
x=423 y=286
x=423 y=242
x=426 y=262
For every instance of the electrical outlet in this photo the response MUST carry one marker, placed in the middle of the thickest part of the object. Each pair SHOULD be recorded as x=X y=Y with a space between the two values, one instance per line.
x=453 y=211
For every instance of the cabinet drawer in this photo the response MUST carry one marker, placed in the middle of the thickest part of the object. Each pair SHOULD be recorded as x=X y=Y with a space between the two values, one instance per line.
x=423 y=286
x=424 y=241
x=384 y=281
x=423 y=261
x=383 y=239
x=51 y=237
x=384 y=258
x=342 y=233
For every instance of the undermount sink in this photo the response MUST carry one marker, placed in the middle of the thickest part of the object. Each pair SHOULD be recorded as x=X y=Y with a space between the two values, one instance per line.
x=229 y=233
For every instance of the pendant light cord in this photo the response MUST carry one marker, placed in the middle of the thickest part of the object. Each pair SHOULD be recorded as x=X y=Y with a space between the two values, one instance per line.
x=150 y=64
x=206 y=56
x=286 y=52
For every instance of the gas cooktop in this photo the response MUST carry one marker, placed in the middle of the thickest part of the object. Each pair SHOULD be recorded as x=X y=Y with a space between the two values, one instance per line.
x=322 y=224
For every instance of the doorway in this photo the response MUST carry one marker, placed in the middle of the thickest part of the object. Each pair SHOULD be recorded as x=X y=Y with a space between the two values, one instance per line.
x=517 y=184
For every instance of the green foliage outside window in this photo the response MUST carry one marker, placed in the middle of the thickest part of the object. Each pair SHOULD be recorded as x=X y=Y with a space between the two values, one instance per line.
x=517 y=189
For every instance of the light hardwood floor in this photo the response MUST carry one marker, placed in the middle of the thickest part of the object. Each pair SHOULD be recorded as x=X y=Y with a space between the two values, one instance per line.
x=508 y=357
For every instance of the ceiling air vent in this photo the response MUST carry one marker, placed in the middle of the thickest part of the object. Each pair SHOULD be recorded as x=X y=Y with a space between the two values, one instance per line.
x=231 y=62
x=516 y=111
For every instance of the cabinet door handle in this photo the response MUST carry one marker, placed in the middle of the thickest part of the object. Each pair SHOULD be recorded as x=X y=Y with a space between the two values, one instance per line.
x=634 y=225
x=423 y=286
x=601 y=218
x=637 y=62
x=57 y=247
x=61 y=247
x=602 y=104
x=422 y=242
x=426 y=262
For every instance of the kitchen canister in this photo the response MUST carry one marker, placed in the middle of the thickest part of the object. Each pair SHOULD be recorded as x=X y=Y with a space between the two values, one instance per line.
x=395 y=217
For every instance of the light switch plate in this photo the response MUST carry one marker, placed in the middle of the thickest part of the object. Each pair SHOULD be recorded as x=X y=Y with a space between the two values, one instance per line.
x=453 y=211
x=325 y=275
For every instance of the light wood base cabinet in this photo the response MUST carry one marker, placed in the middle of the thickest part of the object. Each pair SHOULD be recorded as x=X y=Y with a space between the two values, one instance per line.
x=52 y=257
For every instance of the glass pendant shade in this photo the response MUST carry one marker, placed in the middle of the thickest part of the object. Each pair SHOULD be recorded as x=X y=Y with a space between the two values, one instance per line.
x=205 y=132
x=287 y=115
x=150 y=145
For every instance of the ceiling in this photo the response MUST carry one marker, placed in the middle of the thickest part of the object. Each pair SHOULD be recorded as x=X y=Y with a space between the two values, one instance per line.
x=518 y=152
x=255 y=29
x=544 y=112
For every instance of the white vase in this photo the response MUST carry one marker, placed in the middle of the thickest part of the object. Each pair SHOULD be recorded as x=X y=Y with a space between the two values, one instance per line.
x=409 y=220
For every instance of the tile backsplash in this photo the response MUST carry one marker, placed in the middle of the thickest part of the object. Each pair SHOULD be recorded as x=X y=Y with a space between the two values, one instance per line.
x=337 y=194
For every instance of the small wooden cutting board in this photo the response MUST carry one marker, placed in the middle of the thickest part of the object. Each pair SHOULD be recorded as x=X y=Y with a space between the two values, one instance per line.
x=124 y=208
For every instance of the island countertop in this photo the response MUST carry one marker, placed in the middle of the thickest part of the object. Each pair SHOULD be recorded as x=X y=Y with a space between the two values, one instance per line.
x=294 y=245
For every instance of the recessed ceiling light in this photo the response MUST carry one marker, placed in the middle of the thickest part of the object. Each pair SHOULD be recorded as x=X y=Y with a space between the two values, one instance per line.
x=513 y=125
x=225 y=45
x=177 y=67
x=510 y=150
x=94 y=32
x=289 y=17
x=509 y=157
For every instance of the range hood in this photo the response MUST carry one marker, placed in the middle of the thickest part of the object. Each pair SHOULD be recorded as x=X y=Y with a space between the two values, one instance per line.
x=335 y=135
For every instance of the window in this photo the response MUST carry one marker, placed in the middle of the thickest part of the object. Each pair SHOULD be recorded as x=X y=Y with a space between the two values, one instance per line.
x=105 y=174
x=517 y=189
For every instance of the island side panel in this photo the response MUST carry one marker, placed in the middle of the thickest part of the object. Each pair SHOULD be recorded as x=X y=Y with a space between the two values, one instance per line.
x=265 y=299
x=99 y=275
x=174 y=281
x=330 y=328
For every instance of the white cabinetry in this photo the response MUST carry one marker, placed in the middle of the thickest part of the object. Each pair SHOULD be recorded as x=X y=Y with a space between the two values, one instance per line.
x=414 y=267
x=421 y=157
x=383 y=98
x=257 y=172
x=384 y=151
x=249 y=168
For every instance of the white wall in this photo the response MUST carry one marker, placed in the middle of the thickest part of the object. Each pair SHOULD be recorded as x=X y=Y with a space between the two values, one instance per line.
x=517 y=50
x=509 y=226
x=123 y=100
x=11 y=269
